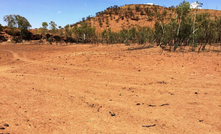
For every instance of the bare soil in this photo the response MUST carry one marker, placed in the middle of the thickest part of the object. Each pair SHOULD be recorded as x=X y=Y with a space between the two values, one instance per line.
x=107 y=89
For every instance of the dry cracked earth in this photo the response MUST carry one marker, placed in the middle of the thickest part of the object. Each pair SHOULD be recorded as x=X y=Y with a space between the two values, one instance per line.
x=86 y=89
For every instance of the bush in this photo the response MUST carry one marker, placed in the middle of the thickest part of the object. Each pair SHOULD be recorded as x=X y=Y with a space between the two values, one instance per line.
x=50 y=40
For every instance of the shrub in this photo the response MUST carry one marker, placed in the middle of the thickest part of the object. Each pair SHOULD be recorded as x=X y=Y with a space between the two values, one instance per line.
x=50 y=40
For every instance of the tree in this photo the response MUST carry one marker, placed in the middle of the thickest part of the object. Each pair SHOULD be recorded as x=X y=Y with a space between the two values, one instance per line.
x=194 y=20
x=17 y=21
x=68 y=33
x=10 y=20
x=67 y=30
x=44 y=27
x=218 y=25
x=60 y=30
x=85 y=32
x=182 y=11
x=1 y=27
x=53 y=26
x=23 y=25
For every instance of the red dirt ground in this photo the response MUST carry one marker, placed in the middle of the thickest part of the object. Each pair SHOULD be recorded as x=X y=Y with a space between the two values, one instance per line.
x=75 y=89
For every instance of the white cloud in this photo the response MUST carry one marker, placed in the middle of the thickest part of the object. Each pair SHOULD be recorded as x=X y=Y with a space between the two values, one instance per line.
x=195 y=5
x=149 y=4
x=59 y=11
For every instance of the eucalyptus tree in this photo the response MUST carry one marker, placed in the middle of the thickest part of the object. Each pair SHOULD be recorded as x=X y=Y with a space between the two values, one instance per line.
x=218 y=26
x=207 y=30
x=53 y=27
x=182 y=12
x=1 y=27
x=44 y=28
x=17 y=21
x=84 y=32
x=68 y=31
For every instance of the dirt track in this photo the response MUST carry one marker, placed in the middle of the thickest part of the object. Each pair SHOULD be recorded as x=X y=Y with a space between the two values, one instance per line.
x=75 y=89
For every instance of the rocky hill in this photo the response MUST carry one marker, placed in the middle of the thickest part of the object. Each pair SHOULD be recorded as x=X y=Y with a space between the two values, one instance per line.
x=116 y=18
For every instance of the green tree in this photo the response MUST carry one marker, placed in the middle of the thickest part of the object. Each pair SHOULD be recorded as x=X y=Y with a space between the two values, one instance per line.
x=85 y=32
x=218 y=26
x=53 y=27
x=68 y=31
x=44 y=28
x=207 y=30
x=182 y=10
x=1 y=27
x=44 y=25
x=23 y=25
x=17 y=21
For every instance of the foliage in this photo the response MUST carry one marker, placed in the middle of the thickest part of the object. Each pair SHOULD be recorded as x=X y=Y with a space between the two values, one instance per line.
x=84 y=32
x=17 y=21
x=50 y=40
x=1 y=27
x=53 y=27
x=44 y=25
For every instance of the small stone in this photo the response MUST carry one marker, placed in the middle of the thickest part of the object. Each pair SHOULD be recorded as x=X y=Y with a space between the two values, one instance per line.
x=6 y=125
x=166 y=104
x=196 y=93
x=138 y=104
x=112 y=113
x=152 y=105
x=2 y=128
x=149 y=125
x=200 y=120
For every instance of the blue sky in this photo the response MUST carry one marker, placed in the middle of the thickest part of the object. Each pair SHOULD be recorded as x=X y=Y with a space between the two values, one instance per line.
x=64 y=12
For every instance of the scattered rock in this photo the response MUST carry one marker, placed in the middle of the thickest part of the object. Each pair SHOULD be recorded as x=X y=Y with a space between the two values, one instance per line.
x=149 y=125
x=201 y=120
x=2 y=128
x=138 y=104
x=171 y=93
x=112 y=113
x=152 y=105
x=196 y=93
x=161 y=82
x=6 y=125
x=99 y=108
x=166 y=104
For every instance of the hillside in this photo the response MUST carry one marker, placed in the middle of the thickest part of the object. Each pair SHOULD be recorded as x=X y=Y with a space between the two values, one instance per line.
x=127 y=16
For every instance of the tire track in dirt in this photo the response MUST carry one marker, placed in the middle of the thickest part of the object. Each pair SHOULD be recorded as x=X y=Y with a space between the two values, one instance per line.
x=43 y=63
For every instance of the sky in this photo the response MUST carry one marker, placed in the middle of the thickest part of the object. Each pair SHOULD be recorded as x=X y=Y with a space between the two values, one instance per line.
x=64 y=12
